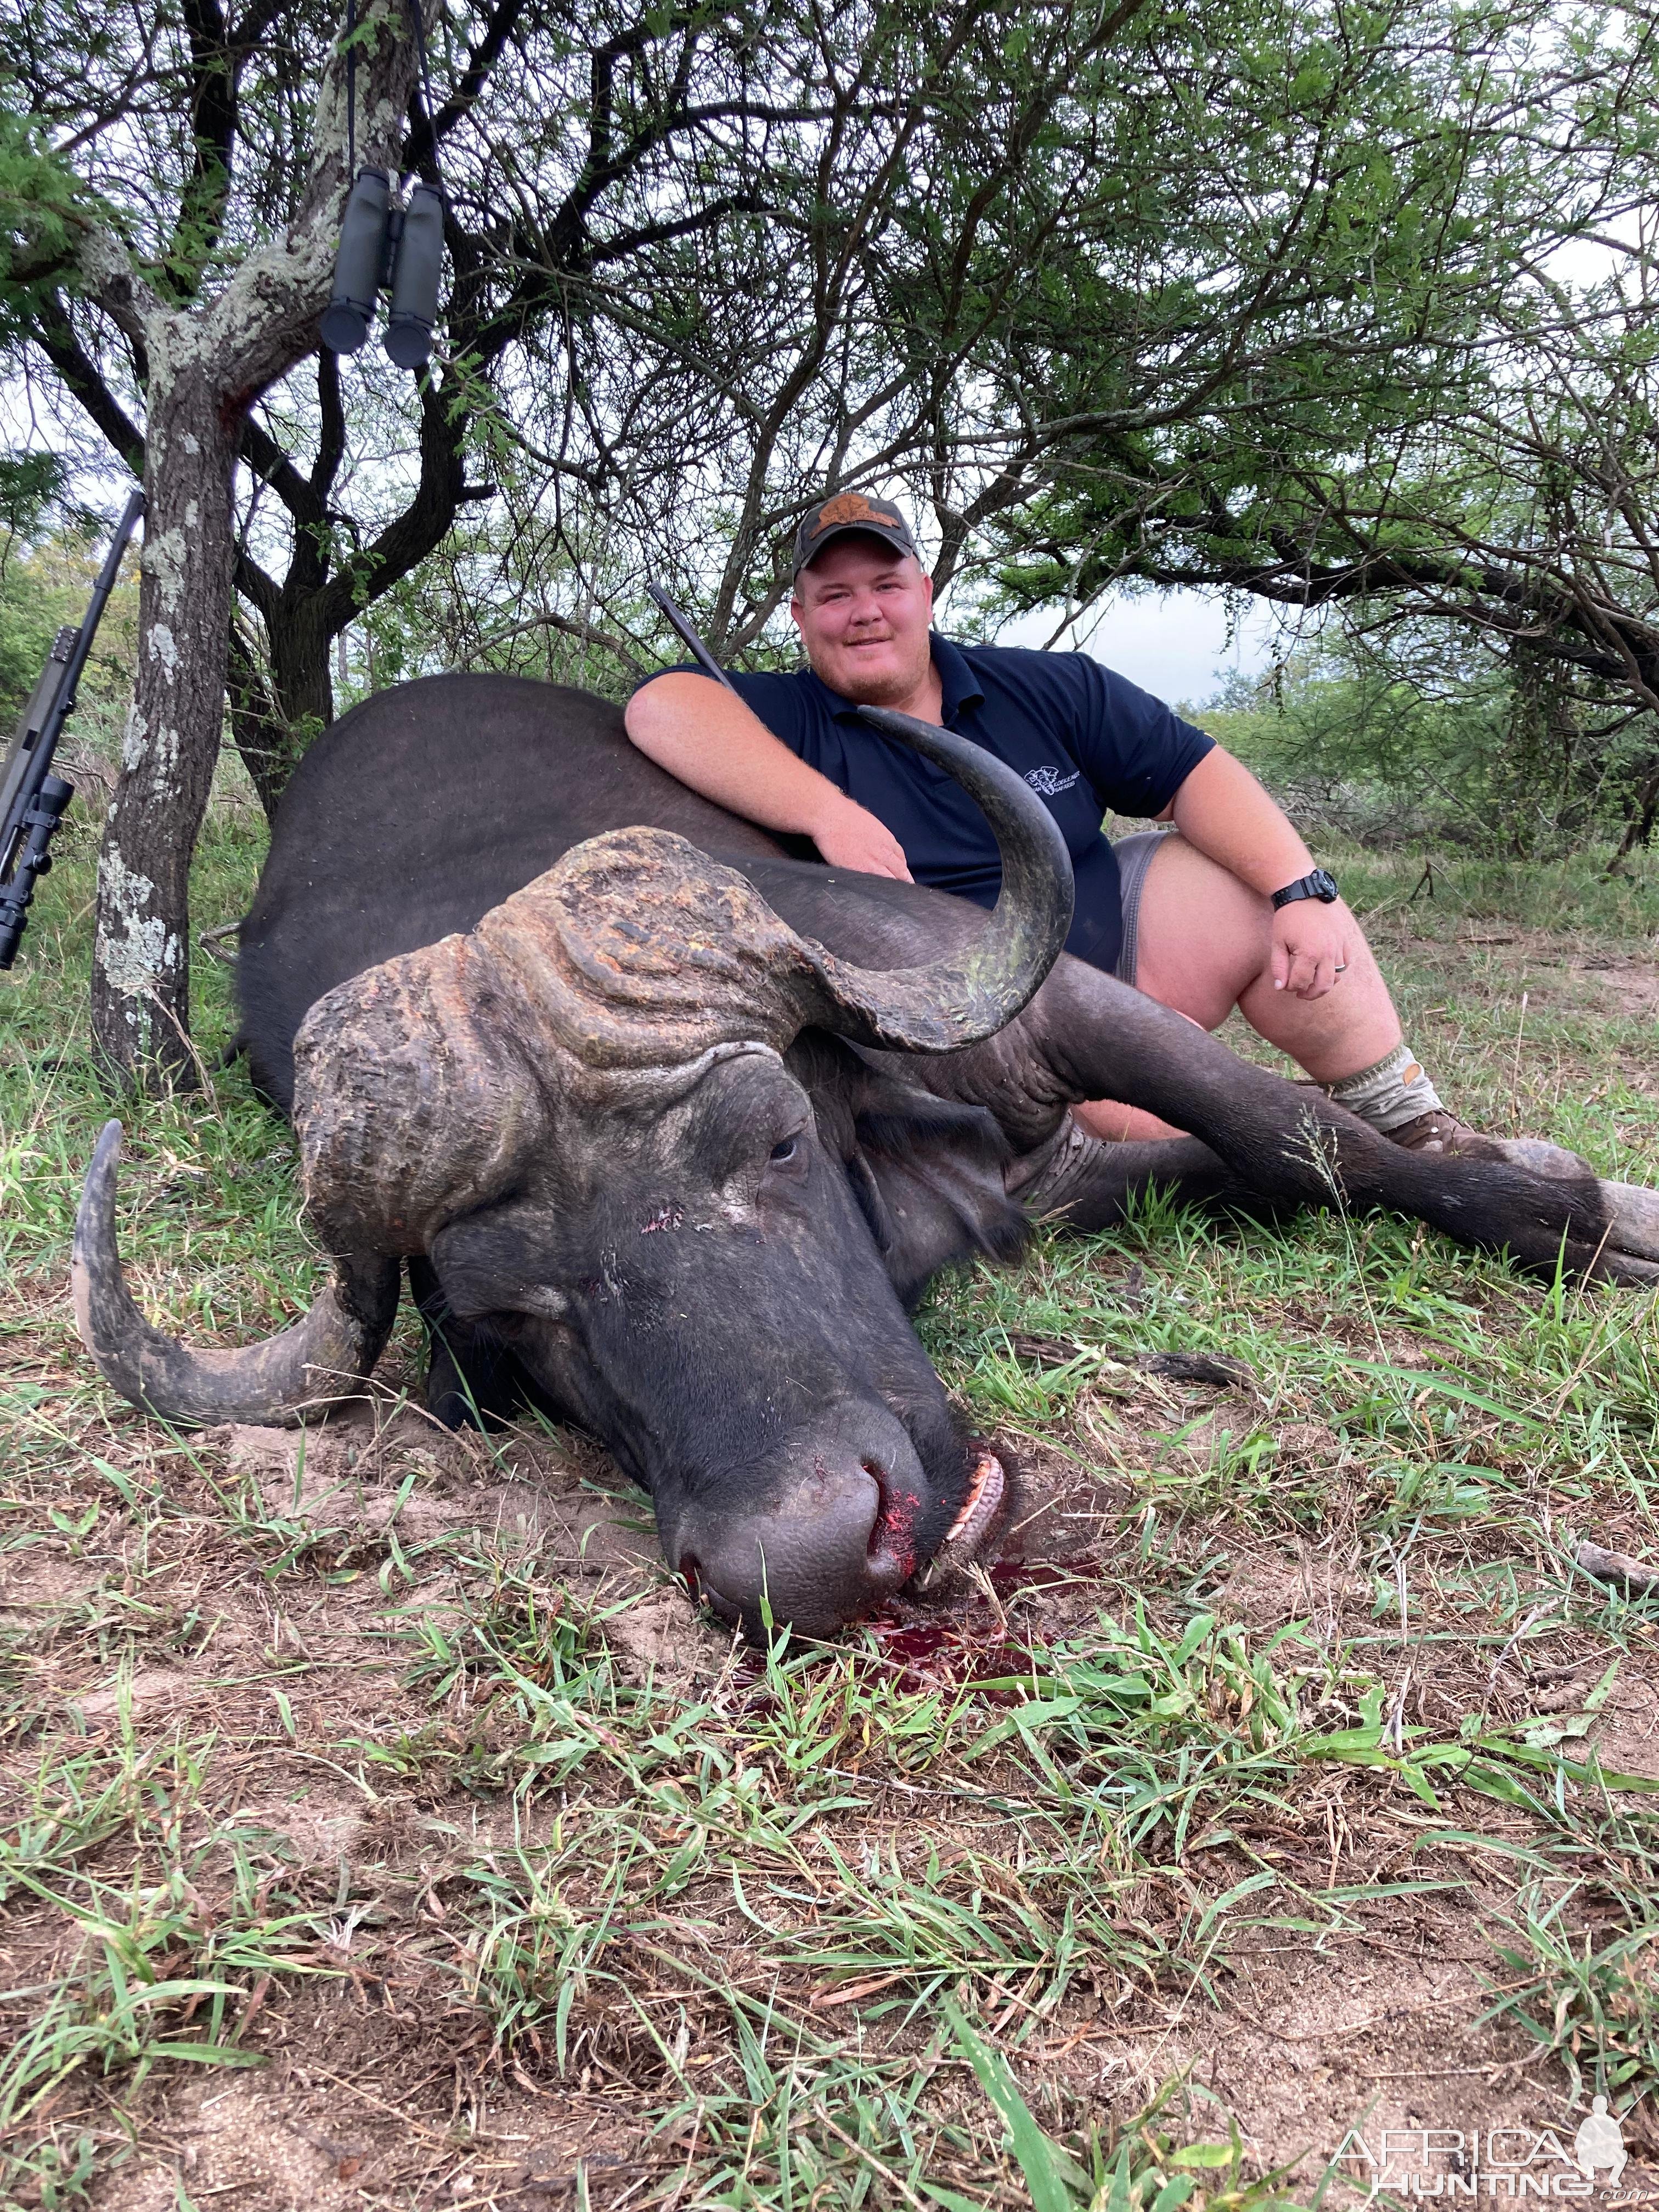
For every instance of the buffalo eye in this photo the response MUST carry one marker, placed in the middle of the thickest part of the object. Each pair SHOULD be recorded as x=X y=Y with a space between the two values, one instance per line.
x=786 y=1161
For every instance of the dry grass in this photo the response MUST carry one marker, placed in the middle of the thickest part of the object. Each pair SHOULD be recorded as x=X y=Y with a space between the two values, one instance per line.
x=382 y=1829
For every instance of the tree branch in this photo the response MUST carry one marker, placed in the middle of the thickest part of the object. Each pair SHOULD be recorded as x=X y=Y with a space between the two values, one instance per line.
x=58 y=340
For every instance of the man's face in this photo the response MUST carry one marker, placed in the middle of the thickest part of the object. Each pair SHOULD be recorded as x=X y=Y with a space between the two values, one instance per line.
x=863 y=613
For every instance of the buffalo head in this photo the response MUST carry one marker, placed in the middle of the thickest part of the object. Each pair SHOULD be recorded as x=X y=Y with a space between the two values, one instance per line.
x=611 y=1121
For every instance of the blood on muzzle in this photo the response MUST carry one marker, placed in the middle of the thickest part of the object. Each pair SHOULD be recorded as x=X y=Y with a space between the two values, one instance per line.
x=820 y=1534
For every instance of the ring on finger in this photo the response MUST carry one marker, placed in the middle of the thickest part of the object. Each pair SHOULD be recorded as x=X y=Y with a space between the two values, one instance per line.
x=1340 y=969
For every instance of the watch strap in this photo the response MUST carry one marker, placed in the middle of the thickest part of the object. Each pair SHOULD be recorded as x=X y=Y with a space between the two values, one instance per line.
x=1318 y=884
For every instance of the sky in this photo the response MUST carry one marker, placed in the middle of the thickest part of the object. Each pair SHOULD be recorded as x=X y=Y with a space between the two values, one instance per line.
x=1181 y=646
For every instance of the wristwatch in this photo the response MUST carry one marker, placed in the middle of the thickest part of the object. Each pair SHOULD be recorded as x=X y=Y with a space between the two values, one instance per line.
x=1318 y=886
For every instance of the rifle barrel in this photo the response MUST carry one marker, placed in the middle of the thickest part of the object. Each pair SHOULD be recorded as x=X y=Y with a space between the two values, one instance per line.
x=682 y=628
x=130 y=516
x=35 y=717
x=31 y=799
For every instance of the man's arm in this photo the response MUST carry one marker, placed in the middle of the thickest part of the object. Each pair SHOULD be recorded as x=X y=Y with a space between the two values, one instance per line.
x=1223 y=811
x=703 y=734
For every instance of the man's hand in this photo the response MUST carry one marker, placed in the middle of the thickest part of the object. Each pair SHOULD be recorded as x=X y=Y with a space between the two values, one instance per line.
x=849 y=836
x=1310 y=947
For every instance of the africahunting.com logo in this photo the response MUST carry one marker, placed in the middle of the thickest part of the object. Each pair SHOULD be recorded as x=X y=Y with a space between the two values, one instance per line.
x=1458 y=2162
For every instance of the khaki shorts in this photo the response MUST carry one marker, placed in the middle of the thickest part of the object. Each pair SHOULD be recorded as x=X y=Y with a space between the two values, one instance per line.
x=1134 y=856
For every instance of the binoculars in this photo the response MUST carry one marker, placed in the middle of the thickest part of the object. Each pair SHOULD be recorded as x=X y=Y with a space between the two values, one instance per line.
x=387 y=247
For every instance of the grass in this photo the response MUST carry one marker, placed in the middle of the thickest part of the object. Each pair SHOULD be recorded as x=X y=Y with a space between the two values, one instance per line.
x=379 y=1828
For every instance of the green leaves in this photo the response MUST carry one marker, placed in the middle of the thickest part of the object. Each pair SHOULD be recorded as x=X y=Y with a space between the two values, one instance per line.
x=1593 y=2004
x=45 y=210
x=165 y=1959
x=1145 y=2173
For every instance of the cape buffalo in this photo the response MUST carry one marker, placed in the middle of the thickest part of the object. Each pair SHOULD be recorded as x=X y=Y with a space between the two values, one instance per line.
x=670 y=1127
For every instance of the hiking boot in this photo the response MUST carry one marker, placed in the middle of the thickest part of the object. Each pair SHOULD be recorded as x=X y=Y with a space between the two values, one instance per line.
x=1439 y=1132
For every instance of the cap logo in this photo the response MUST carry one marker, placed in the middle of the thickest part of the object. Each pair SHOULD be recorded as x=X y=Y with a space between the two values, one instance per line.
x=851 y=507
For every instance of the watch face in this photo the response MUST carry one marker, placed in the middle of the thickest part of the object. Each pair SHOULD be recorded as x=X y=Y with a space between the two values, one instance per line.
x=1324 y=886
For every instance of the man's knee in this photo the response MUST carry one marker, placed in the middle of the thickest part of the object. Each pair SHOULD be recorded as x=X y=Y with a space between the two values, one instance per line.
x=1204 y=936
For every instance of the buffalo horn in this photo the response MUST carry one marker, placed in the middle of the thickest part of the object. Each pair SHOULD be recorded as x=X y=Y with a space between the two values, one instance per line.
x=323 y=1357
x=970 y=994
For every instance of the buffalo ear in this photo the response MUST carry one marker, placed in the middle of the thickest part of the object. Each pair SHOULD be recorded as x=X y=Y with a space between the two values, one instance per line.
x=927 y=1173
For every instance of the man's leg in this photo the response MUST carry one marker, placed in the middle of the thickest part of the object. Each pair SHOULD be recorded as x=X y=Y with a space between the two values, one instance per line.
x=1205 y=946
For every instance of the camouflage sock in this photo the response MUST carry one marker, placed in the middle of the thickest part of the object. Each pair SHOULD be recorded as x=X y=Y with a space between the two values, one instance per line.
x=1390 y=1094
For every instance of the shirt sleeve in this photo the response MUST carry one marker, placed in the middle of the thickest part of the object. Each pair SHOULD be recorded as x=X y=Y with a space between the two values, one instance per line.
x=679 y=668
x=777 y=700
x=773 y=700
x=1135 y=751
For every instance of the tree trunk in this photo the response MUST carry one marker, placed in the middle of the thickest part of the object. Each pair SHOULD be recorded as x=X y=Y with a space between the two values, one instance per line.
x=205 y=365
x=1640 y=824
x=255 y=721
x=279 y=709
x=301 y=675
x=141 y=963
x=282 y=701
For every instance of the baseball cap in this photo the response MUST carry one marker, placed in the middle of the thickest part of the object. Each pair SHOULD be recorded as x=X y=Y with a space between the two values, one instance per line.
x=851 y=511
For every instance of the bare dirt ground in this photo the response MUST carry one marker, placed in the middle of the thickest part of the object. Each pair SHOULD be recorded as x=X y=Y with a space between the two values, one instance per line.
x=386 y=2084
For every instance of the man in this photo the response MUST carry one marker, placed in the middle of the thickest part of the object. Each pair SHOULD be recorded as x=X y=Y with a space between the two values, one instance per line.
x=1228 y=909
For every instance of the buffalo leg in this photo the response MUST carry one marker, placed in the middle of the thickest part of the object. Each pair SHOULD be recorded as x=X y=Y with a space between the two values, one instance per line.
x=1265 y=1143
x=1087 y=1183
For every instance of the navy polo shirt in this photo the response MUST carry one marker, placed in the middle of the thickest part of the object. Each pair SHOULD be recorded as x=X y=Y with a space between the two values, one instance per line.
x=1085 y=739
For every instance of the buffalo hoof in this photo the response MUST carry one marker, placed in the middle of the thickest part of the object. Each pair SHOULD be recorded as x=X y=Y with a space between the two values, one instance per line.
x=1533 y=1154
x=1630 y=1247
x=1632 y=1234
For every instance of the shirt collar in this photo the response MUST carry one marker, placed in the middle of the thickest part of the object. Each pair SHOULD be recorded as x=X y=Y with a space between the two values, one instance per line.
x=959 y=684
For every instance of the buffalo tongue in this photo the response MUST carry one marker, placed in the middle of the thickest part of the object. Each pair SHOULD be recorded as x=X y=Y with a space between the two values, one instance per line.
x=968 y=1532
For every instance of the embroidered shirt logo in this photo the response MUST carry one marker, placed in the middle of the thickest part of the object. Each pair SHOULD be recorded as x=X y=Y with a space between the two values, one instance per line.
x=1048 y=782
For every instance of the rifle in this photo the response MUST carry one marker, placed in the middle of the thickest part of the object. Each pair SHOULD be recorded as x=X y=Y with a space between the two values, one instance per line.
x=689 y=638
x=31 y=799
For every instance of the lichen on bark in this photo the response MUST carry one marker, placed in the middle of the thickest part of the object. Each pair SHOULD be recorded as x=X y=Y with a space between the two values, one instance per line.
x=206 y=363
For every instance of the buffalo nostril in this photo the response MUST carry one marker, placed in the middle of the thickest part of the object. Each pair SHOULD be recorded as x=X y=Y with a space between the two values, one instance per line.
x=893 y=1532
x=834 y=1530
x=877 y=1542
